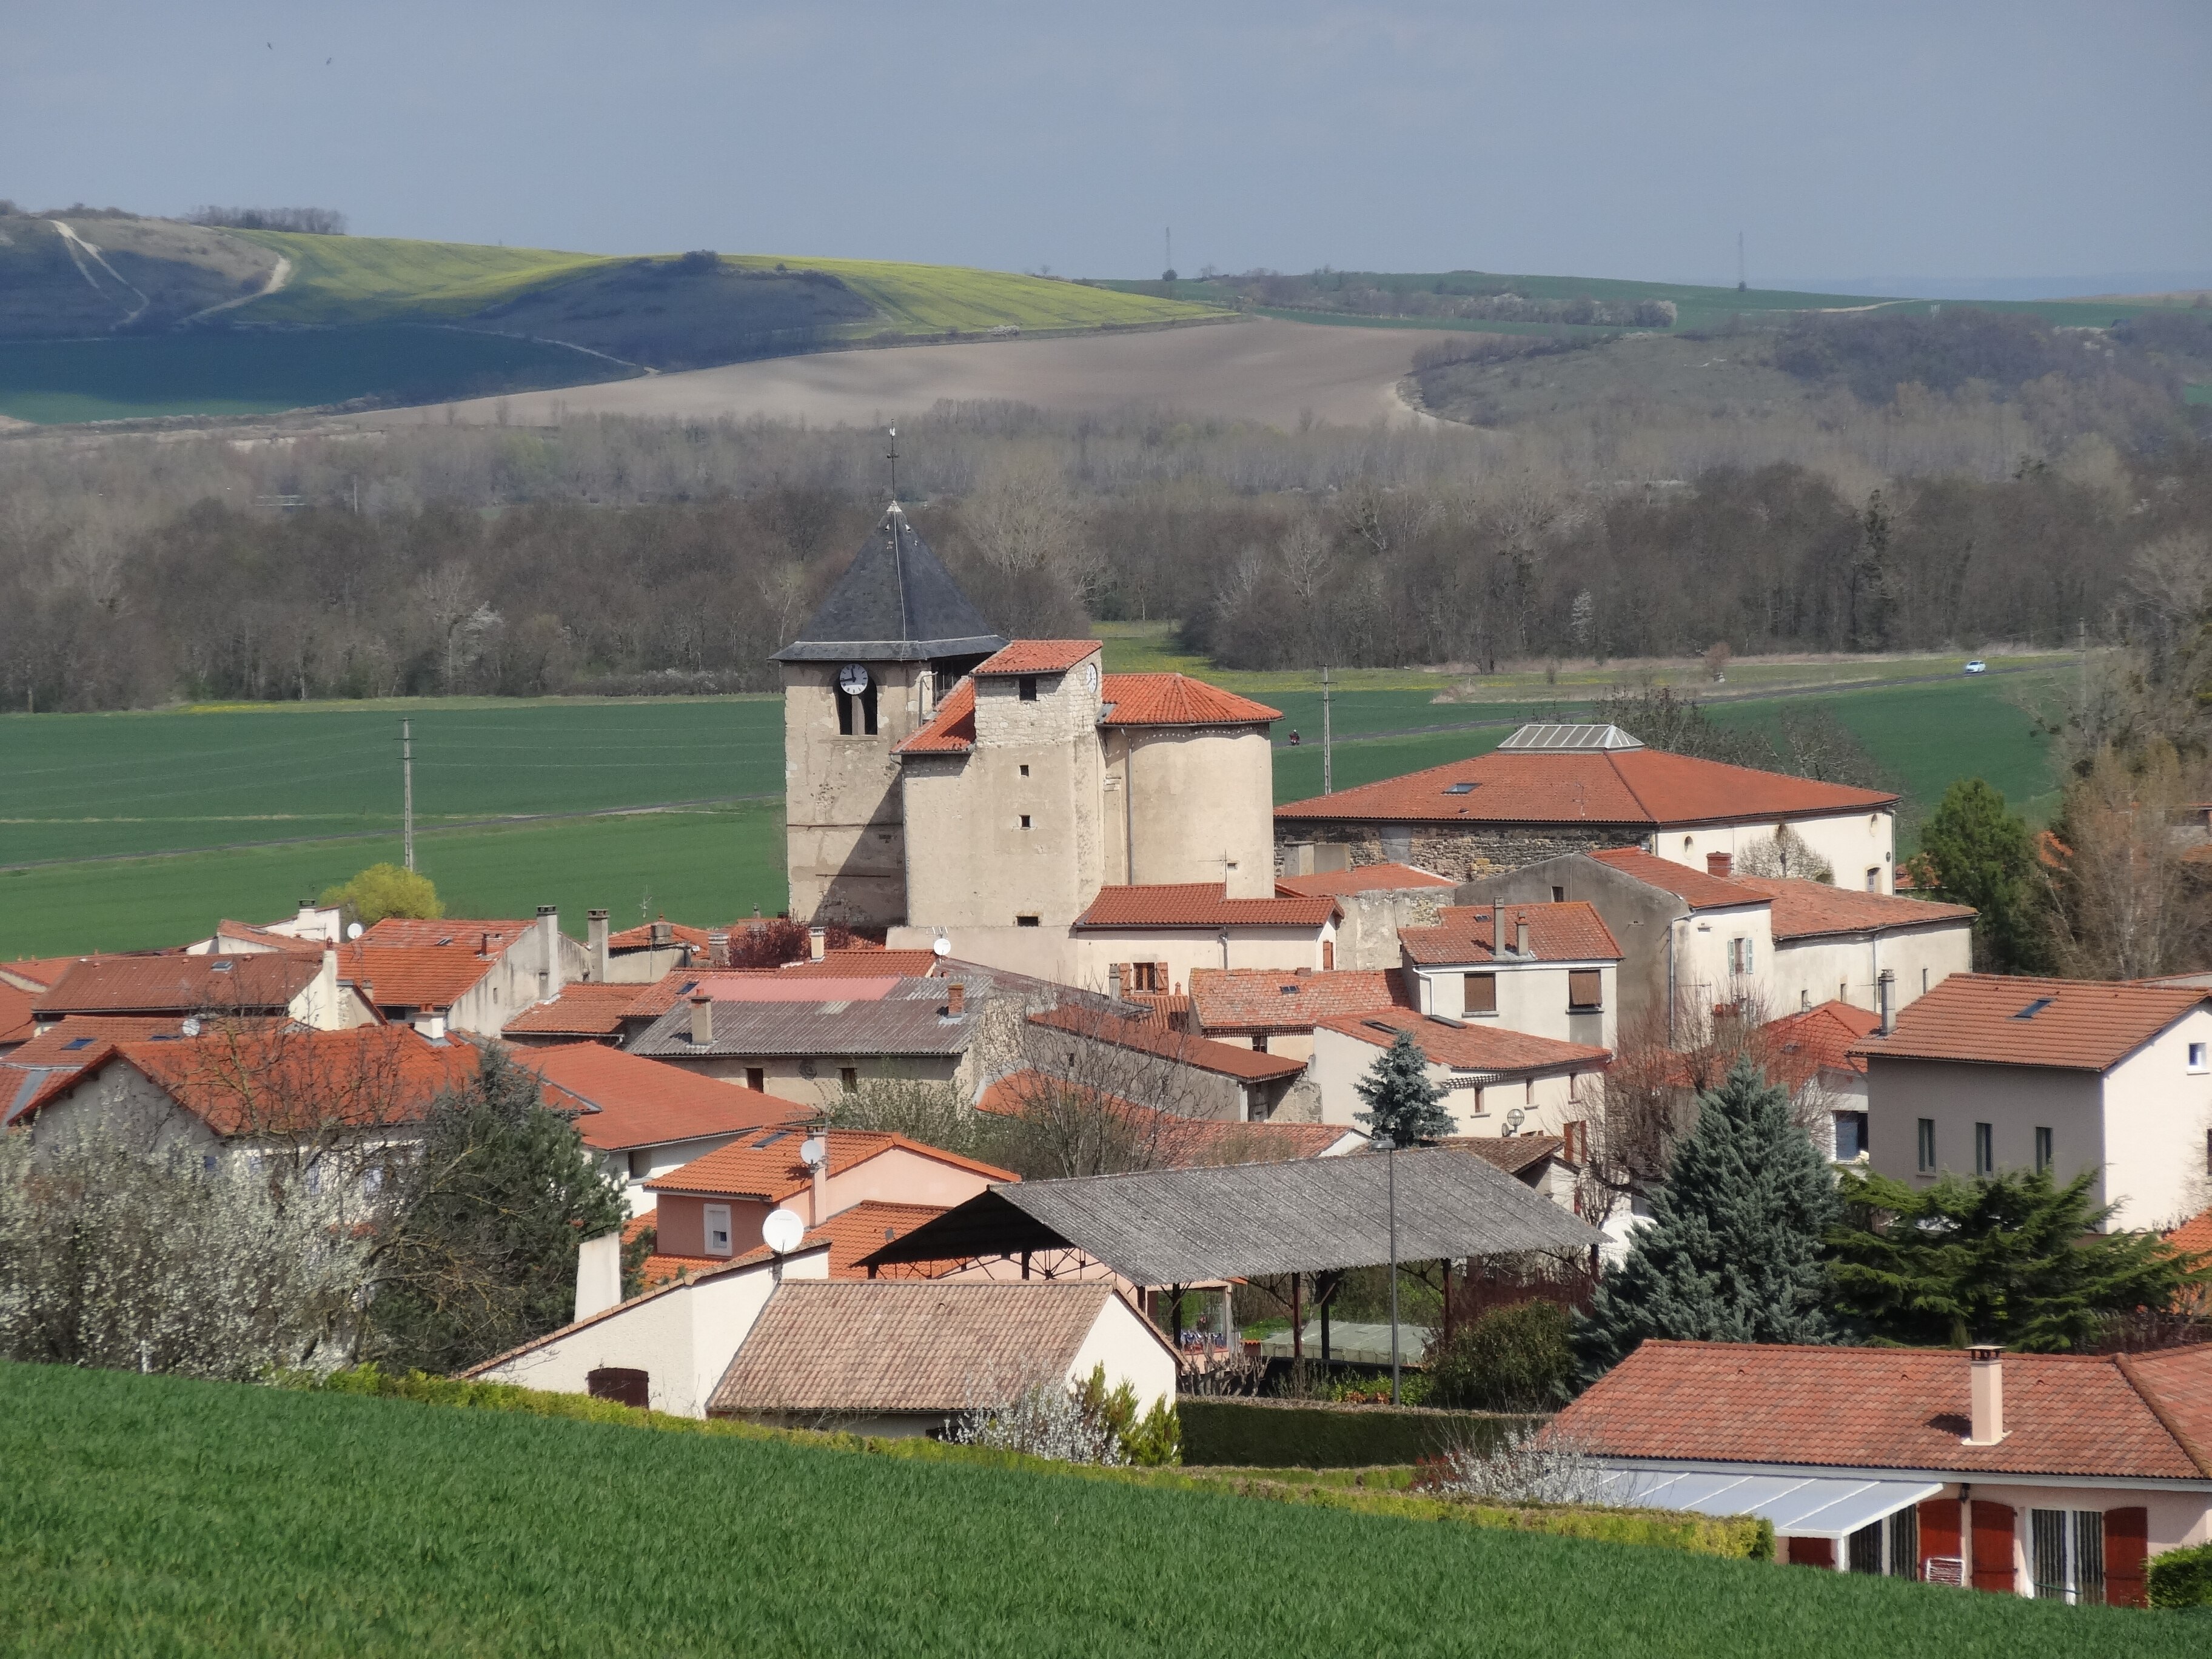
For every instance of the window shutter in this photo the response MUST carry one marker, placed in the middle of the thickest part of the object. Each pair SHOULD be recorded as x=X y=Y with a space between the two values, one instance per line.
x=1993 y=1539
x=2127 y=1548
x=1813 y=1552
x=1939 y=1530
x=1481 y=996
x=1585 y=989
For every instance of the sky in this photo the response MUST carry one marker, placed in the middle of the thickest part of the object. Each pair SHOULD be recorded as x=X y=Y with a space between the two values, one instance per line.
x=1941 y=142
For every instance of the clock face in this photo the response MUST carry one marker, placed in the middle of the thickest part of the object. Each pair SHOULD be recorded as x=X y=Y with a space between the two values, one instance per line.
x=1090 y=676
x=852 y=679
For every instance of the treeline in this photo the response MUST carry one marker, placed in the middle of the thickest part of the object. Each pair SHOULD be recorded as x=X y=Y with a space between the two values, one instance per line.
x=315 y=221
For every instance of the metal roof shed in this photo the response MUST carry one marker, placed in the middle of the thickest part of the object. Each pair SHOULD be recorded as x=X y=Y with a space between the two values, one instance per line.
x=1242 y=1221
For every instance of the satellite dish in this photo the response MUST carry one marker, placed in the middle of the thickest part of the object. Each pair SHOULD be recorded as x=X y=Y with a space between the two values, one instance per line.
x=191 y=1025
x=355 y=930
x=852 y=679
x=943 y=947
x=813 y=1149
x=1514 y=1119
x=782 y=1231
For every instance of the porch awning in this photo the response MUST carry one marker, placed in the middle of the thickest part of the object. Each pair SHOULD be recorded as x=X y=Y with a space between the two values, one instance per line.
x=1799 y=1506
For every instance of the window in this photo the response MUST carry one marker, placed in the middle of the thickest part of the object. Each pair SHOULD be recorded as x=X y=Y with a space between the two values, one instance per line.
x=757 y=1078
x=1480 y=993
x=1558 y=896
x=1851 y=1136
x=1890 y=1546
x=1025 y=820
x=857 y=715
x=1145 y=976
x=640 y=1162
x=849 y=1078
x=1260 y=1042
x=2196 y=1061
x=715 y=1220
x=1585 y=990
x=1028 y=688
x=2043 y=1157
x=1740 y=956
x=1025 y=921
x=1874 y=879
x=2066 y=1553
x=1986 y=1149
x=1025 y=771
x=1926 y=1145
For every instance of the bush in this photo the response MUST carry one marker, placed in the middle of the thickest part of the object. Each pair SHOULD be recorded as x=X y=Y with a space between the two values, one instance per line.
x=385 y=889
x=2181 y=1578
x=1519 y=1359
x=1265 y=1434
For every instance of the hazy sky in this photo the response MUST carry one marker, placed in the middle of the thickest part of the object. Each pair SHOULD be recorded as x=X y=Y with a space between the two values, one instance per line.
x=1609 y=138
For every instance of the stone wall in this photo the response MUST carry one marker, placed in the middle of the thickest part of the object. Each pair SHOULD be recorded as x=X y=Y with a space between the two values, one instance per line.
x=1463 y=854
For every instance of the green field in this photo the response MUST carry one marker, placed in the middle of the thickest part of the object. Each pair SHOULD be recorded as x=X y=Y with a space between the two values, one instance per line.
x=258 y=806
x=156 y=1516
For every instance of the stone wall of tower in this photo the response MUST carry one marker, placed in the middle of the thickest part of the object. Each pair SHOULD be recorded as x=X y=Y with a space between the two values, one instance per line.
x=844 y=818
x=1197 y=803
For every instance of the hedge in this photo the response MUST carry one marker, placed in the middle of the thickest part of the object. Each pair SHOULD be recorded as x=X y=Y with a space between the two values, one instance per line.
x=2181 y=1578
x=1313 y=1435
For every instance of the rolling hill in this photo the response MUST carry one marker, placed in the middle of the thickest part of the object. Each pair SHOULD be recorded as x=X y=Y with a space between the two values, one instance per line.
x=106 y=315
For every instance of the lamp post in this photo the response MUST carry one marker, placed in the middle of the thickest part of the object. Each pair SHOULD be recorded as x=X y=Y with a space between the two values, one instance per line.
x=1390 y=1163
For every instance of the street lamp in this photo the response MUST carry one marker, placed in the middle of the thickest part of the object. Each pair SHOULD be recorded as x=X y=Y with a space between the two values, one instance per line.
x=1390 y=1161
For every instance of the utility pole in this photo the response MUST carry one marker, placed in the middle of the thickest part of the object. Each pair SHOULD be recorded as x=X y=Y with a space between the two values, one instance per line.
x=1169 y=265
x=407 y=791
x=1741 y=285
x=1327 y=772
x=1390 y=1157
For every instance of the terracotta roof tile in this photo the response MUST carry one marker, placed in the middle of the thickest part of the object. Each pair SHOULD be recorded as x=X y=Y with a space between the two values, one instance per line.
x=851 y=1234
x=42 y=972
x=1995 y=1019
x=1801 y=1045
x=1176 y=700
x=1472 y=1046
x=16 y=1025
x=411 y=976
x=1037 y=657
x=950 y=730
x=1512 y=1153
x=269 y=938
x=184 y=984
x=1366 y=878
x=1148 y=1036
x=763 y=985
x=448 y=934
x=906 y=1345
x=2194 y=1235
x=765 y=1165
x=624 y=1100
x=66 y=1040
x=1638 y=788
x=1200 y=904
x=587 y=1008
x=1173 y=1141
x=865 y=963
x=1703 y=892
x=1807 y=909
x=639 y=938
x=1249 y=1000
x=1568 y=932
x=1895 y=1408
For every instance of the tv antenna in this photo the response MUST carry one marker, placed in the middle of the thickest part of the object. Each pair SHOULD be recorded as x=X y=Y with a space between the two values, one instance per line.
x=892 y=457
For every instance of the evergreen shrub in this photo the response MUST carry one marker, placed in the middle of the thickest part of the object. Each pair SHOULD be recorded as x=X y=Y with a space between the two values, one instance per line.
x=1517 y=1358
x=2181 y=1578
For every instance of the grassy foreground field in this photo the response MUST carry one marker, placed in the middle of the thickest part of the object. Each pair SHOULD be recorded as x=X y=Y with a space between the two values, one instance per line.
x=154 y=1516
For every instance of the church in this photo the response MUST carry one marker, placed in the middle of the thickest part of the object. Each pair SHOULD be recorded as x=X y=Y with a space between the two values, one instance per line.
x=1016 y=801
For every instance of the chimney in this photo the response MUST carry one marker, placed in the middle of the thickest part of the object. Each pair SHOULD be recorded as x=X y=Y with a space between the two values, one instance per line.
x=549 y=951
x=327 y=992
x=818 y=940
x=1985 y=1371
x=718 y=947
x=1722 y=865
x=703 y=1018
x=431 y=1023
x=1496 y=927
x=599 y=1274
x=1520 y=938
x=663 y=935
x=595 y=928
x=955 y=1000
x=1885 y=1000
x=483 y=944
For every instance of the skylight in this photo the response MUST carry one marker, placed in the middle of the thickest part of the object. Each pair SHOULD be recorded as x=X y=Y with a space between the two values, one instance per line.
x=2035 y=1007
x=1461 y=788
x=78 y=1043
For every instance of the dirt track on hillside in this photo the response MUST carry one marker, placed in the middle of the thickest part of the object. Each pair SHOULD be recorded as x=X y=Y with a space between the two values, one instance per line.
x=1259 y=369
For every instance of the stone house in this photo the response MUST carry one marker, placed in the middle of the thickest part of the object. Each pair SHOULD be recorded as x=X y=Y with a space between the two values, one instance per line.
x=1547 y=969
x=1495 y=1082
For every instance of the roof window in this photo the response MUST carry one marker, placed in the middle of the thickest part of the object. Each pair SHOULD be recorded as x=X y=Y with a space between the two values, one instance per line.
x=1462 y=788
x=221 y=965
x=1446 y=1019
x=78 y=1043
x=2035 y=1007
x=1379 y=1025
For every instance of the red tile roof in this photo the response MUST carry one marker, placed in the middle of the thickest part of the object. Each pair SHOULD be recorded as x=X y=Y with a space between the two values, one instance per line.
x=1800 y=1047
x=585 y=1009
x=865 y=961
x=1512 y=1153
x=69 y=1040
x=449 y=933
x=184 y=984
x=411 y=976
x=1807 y=909
x=1471 y=1046
x=1367 y=879
x=765 y=1165
x=1176 y=700
x=1037 y=657
x=950 y=730
x=1642 y=788
x=2194 y=1235
x=1249 y=1000
x=851 y=1234
x=1568 y=932
x=1172 y=1140
x=1149 y=1037
x=16 y=1022
x=639 y=938
x=626 y=1100
x=269 y=938
x=1703 y=891
x=45 y=972
x=1200 y=904
x=1900 y=1408
x=2068 y=1024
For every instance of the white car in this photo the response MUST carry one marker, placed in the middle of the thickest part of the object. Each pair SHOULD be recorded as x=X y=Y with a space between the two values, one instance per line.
x=1977 y=666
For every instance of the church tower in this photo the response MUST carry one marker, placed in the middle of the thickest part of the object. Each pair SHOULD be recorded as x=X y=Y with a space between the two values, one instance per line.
x=865 y=672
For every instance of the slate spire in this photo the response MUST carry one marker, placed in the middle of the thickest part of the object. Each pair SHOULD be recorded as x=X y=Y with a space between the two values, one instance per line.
x=895 y=603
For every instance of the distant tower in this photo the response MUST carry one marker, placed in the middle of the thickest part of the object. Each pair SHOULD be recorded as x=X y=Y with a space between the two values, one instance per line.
x=1741 y=285
x=864 y=672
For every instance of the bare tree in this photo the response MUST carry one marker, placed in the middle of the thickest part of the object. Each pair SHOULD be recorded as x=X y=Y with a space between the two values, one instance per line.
x=1087 y=1091
x=2124 y=903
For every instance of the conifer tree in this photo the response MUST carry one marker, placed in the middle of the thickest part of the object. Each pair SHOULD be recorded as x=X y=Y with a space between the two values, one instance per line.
x=1402 y=1104
x=1734 y=1250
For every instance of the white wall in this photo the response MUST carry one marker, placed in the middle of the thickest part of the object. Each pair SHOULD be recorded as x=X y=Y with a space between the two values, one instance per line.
x=1124 y=1341
x=2157 y=1115
x=1532 y=997
x=1546 y=1100
x=1844 y=968
x=1702 y=939
x=1852 y=843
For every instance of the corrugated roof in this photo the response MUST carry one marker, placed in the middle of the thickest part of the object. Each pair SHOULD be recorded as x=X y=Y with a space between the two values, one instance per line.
x=765 y=1164
x=1366 y=878
x=1200 y=904
x=1570 y=931
x=1304 y=1215
x=1183 y=1048
x=1480 y=1046
x=623 y=1100
x=588 y=1008
x=896 y=601
x=1176 y=700
x=1639 y=789
x=1899 y=1408
x=867 y=1346
x=1810 y=910
x=184 y=984
x=1037 y=657
x=911 y=1019
x=1249 y=1000
x=2000 y=1019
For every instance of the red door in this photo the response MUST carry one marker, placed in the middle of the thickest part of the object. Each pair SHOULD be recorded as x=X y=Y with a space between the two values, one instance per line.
x=2127 y=1548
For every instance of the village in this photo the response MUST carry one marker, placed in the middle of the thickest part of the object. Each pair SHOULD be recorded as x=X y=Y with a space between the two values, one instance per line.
x=1460 y=1021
